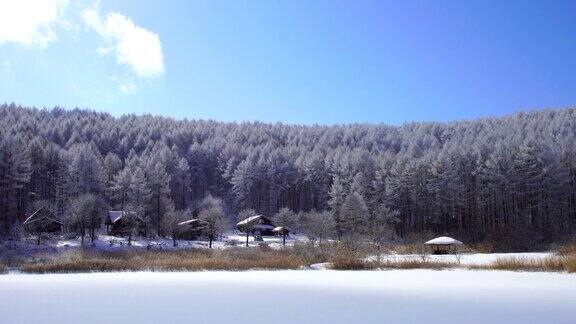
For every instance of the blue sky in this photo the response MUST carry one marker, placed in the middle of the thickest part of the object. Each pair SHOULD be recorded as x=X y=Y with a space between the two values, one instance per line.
x=306 y=62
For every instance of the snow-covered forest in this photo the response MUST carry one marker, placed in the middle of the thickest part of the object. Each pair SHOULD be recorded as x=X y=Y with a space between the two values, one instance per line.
x=509 y=178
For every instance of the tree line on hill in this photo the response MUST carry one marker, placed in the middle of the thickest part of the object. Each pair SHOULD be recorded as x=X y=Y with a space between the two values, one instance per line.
x=508 y=179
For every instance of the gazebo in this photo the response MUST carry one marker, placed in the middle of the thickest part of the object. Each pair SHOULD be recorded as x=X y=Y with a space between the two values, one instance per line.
x=281 y=231
x=442 y=244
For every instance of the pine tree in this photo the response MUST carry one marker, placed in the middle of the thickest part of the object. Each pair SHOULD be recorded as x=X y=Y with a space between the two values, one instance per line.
x=354 y=215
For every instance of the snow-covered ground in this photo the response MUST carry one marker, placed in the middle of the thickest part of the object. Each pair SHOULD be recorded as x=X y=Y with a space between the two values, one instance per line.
x=413 y=296
x=108 y=242
x=466 y=259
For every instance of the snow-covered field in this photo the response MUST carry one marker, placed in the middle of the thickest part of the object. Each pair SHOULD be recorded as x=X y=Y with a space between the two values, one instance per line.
x=414 y=296
x=466 y=259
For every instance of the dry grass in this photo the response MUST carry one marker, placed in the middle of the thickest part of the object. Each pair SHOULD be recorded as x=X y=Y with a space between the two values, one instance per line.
x=358 y=264
x=566 y=249
x=416 y=264
x=190 y=260
x=3 y=268
x=560 y=263
x=409 y=248
x=347 y=260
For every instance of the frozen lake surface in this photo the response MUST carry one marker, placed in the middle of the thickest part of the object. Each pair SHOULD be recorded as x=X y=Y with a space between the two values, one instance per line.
x=408 y=296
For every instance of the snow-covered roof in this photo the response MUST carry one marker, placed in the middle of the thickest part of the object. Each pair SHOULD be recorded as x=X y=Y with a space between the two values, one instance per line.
x=114 y=215
x=249 y=220
x=279 y=229
x=444 y=240
x=188 y=222
x=39 y=215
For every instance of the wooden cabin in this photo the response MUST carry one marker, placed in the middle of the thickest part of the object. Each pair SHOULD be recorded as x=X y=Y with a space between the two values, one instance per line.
x=119 y=223
x=190 y=229
x=257 y=225
x=43 y=221
x=443 y=244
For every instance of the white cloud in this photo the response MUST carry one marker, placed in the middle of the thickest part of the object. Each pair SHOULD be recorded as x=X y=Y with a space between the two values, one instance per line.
x=132 y=45
x=127 y=87
x=125 y=84
x=30 y=22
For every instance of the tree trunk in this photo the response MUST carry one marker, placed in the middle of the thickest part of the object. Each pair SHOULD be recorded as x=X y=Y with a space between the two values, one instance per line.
x=38 y=237
x=174 y=239
x=158 y=212
x=210 y=242
x=284 y=239
x=247 y=235
x=183 y=194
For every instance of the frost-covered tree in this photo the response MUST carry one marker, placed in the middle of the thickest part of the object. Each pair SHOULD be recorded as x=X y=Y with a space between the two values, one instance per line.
x=381 y=228
x=171 y=221
x=506 y=179
x=213 y=219
x=14 y=175
x=159 y=186
x=85 y=215
x=318 y=225
x=85 y=170
x=354 y=215
x=111 y=166
x=287 y=219
x=140 y=195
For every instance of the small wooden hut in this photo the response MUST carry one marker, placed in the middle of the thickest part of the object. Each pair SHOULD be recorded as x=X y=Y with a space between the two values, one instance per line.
x=119 y=223
x=42 y=221
x=190 y=229
x=257 y=225
x=443 y=244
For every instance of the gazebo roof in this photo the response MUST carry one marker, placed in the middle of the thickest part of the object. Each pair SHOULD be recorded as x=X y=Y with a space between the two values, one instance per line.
x=444 y=240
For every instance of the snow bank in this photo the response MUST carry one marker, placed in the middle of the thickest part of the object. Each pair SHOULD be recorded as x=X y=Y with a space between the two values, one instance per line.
x=418 y=296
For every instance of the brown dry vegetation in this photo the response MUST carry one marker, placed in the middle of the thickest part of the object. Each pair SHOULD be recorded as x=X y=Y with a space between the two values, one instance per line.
x=188 y=260
x=560 y=263
x=348 y=260
x=358 y=264
x=340 y=256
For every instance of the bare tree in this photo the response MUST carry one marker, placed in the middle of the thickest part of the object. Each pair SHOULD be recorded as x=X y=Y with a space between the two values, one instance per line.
x=319 y=225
